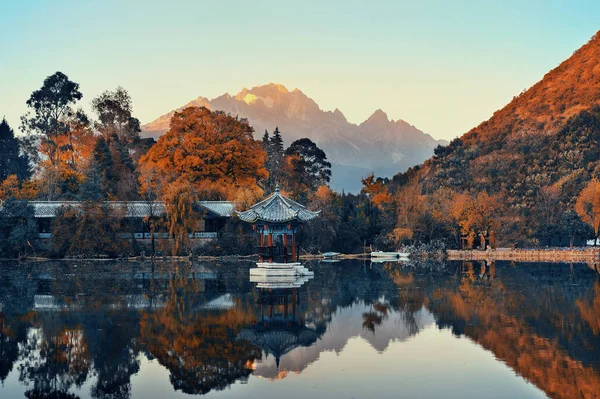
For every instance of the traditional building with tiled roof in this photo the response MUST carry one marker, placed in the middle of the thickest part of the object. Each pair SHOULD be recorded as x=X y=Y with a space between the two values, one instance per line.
x=135 y=214
x=276 y=219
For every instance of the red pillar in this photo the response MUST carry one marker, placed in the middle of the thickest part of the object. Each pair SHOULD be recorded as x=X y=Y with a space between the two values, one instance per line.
x=294 y=254
x=270 y=245
x=285 y=245
x=262 y=244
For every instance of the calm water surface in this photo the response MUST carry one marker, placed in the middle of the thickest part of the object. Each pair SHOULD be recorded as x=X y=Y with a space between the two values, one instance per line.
x=355 y=330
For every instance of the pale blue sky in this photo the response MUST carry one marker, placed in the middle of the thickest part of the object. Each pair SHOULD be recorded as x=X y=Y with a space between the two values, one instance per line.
x=443 y=66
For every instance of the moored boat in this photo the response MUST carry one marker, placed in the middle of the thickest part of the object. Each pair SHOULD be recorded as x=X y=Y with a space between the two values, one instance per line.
x=330 y=254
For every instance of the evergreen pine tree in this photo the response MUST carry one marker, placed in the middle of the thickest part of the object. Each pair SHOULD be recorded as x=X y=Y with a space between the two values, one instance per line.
x=11 y=160
x=100 y=172
x=265 y=141
x=92 y=187
x=276 y=158
x=124 y=183
x=277 y=144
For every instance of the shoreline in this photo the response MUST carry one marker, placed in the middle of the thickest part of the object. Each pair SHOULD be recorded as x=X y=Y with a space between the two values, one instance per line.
x=582 y=254
x=179 y=258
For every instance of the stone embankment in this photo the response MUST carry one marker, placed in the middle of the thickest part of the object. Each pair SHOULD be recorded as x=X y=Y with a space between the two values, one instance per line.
x=586 y=255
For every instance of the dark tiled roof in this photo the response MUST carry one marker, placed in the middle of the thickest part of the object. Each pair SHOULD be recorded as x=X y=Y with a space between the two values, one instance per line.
x=277 y=208
x=135 y=209
x=279 y=340
x=219 y=208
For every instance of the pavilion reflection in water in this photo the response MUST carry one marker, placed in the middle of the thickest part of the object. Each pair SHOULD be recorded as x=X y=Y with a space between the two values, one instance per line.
x=281 y=327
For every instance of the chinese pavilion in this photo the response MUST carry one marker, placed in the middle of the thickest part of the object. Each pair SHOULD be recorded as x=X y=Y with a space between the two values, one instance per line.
x=276 y=219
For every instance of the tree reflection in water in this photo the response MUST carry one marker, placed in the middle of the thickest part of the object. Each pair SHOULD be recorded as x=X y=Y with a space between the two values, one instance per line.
x=198 y=345
x=531 y=319
x=64 y=325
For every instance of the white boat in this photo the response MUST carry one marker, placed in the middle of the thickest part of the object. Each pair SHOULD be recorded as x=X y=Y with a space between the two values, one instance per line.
x=330 y=254
x=389 y=255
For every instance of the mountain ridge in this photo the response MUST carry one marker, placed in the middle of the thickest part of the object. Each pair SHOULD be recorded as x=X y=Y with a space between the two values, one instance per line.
x=378 y=144
x=539 y=102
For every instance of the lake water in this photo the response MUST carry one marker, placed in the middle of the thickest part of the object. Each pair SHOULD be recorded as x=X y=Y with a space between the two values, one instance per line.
x=355 y=330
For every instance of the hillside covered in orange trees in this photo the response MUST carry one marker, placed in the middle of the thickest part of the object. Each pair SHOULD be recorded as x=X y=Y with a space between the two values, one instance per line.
x=536 y=154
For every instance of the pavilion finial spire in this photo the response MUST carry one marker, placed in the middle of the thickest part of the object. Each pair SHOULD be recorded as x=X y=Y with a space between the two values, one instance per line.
x=277 y=188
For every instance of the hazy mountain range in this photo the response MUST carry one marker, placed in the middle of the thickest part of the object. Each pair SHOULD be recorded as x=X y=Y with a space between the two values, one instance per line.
x=378 y=144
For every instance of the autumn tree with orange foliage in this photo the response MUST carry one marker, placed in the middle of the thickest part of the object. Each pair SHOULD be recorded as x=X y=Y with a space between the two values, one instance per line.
x=318 y=235
x=588 y=206
x=181 y=213
x=376 y=190
x=425 y=218
x=88 y=230
x=64 y=136
x=213 y=152
x=66 y=156
x=478 y=215
x=410 y=208
x=445 y=215
x=12 y=187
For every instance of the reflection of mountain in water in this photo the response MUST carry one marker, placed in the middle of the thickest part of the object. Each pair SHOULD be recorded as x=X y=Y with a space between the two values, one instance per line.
x=347 y=323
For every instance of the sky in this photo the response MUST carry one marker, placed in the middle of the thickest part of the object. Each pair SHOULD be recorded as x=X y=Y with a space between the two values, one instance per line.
x=443 y=66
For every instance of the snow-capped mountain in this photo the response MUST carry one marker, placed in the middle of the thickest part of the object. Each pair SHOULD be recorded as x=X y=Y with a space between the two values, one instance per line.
x=378 y=144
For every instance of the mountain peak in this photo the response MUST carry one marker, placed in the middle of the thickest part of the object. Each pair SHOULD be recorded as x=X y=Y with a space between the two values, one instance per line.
x=378 y=144
x=379 y=115
x=269 y=94
x=271 y=88
x=339 y=114
x=378 y=118
x=278 y=86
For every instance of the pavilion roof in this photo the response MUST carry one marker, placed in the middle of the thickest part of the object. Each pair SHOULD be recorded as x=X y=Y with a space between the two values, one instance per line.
x=277 y=208
x=278 y=338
